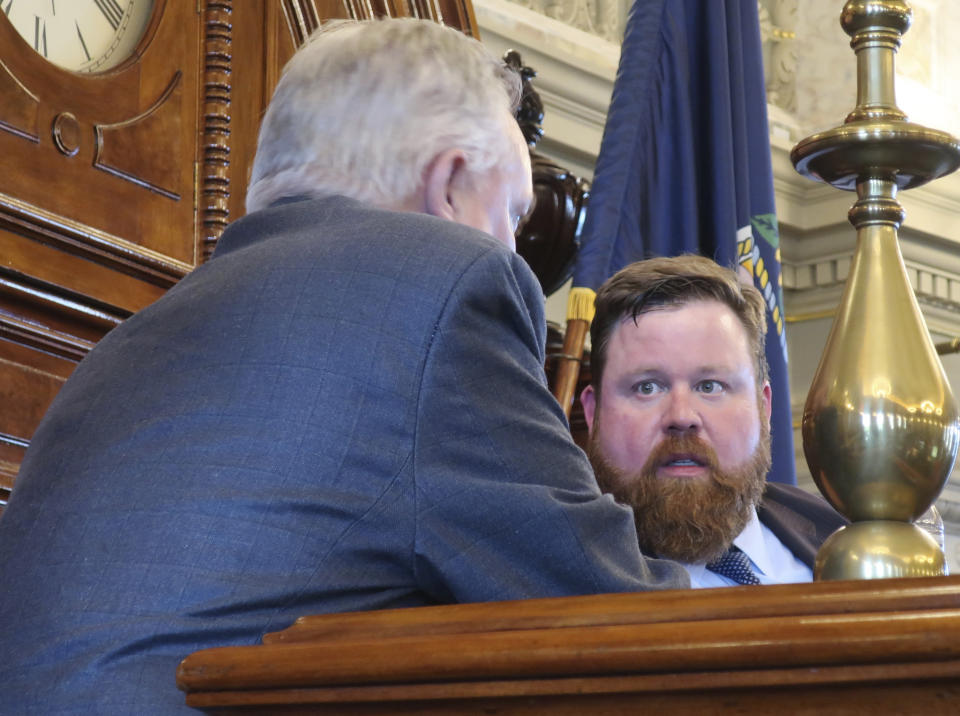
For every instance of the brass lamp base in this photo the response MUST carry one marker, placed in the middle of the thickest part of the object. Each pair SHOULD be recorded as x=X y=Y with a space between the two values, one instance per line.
x=879 y=549
x=909 y=154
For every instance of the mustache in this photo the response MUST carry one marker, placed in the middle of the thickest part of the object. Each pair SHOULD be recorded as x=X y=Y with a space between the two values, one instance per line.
x=686 y=446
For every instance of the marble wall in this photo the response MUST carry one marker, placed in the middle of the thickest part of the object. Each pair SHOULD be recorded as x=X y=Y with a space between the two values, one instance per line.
x=811 y=71
x=603 y=18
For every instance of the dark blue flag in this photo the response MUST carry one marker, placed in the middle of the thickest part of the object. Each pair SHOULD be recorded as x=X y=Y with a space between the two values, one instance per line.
x=684 y=166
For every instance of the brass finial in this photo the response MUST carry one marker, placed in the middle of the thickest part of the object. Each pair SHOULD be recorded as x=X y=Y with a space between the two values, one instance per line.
x=875 y=29
x=881 y=427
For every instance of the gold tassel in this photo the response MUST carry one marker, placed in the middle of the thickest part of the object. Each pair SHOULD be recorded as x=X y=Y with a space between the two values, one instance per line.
x=580 y=304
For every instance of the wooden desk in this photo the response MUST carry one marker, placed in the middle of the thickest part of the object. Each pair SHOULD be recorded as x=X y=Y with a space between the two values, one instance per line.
x=890 y=646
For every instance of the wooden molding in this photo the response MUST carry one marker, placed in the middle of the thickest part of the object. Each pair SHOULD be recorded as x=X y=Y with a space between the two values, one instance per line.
x=120 y=147
x=747 y=649
x=18 y=113
x=215 y=186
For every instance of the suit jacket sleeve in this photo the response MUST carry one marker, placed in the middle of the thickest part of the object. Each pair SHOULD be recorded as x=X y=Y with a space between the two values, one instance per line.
x=506 y=504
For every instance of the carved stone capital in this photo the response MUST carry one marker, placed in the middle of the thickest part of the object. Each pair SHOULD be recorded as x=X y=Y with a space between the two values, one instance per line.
x=778 y=32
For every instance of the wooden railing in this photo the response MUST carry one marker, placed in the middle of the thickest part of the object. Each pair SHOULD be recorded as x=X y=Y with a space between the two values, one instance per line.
x=890 y=646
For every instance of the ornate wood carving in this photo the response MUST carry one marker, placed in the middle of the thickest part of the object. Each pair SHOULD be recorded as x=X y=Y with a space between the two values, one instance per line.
x=304 y=16
x=126 y=149
x=550 y=237
x=458 y=14
x=215 y=185
x=66 y=134
x=50 y=229
x=133 y=125
x=18 y=113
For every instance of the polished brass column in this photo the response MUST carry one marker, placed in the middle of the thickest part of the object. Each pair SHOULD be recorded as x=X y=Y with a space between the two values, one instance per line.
x=880 y=425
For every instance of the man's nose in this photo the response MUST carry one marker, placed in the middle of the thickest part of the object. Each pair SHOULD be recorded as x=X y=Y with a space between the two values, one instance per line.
x=681 y=413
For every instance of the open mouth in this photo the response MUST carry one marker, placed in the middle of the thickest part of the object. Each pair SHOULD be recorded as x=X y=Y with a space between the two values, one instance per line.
x=683 y=461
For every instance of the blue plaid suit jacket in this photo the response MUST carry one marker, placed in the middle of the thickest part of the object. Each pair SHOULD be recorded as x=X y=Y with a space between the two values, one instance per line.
x=345 y=409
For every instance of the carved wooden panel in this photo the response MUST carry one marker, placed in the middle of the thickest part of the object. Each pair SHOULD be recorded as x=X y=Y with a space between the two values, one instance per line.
x=18 y=115
x=128 y=149
x=108 y=157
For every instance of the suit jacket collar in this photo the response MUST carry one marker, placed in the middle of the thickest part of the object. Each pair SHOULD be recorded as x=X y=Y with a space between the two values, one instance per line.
x=800 y=520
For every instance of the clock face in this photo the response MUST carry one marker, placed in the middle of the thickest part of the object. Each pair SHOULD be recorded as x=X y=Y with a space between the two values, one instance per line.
x=80 y=35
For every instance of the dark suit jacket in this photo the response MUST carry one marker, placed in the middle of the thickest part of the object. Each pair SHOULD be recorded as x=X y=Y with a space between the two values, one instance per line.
x=345 y=409
x=800 y=520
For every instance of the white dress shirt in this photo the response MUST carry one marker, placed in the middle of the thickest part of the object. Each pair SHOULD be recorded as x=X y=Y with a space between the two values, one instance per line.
x=769 y=557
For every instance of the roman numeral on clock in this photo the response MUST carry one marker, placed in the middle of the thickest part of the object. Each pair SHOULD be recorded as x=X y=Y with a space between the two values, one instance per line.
x=111 y=11
x=40 y=36
x=82 y=43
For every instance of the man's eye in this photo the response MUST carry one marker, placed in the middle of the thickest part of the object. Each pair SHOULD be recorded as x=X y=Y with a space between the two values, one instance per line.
x=647 y=387
x=711 y=386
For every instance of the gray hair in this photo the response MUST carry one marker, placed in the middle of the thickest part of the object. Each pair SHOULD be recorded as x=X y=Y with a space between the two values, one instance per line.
x=364 y=107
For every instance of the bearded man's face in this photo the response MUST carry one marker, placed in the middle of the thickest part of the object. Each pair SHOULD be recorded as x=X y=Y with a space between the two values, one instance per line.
x=680 y=430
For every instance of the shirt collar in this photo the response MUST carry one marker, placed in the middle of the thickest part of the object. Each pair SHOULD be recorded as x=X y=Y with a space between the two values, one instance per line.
x=751 y=542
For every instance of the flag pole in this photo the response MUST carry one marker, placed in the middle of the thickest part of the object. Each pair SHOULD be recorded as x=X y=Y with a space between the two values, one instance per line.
x=580 y=312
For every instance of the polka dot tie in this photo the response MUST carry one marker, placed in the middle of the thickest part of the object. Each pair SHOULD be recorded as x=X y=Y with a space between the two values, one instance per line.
x=734 y=565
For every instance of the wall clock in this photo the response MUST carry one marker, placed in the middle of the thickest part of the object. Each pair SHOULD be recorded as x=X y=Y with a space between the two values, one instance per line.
x=80 y=35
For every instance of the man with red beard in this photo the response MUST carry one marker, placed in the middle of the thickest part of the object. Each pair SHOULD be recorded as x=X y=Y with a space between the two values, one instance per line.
x=679 y=419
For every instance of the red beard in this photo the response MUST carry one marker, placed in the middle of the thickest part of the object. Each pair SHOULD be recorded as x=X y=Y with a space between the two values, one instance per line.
x=689 y=520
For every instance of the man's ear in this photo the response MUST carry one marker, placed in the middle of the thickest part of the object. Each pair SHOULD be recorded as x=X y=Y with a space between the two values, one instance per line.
x=588 y=400
x=766 y=396
x=441 y=180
